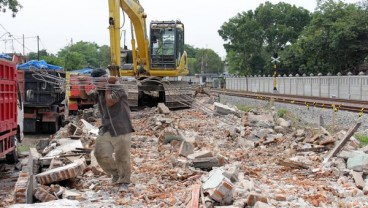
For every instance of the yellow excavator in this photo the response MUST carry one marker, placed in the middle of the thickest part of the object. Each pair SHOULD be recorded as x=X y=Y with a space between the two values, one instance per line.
x=151 y=60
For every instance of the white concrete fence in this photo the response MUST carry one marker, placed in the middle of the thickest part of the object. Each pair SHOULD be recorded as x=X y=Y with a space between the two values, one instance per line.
x=344 y=87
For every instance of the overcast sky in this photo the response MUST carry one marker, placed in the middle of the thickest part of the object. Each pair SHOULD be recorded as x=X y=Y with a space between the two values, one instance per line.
x=58 y=22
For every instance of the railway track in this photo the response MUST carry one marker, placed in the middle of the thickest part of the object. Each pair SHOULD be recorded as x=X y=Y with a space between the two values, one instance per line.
x=308 y=101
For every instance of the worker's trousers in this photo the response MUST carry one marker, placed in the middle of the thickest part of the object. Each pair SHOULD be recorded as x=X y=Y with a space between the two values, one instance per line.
x=119 y=164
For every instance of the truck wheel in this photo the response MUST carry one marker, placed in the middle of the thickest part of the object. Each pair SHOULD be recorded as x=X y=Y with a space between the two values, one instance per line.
x=12 y=157
x=53 y=127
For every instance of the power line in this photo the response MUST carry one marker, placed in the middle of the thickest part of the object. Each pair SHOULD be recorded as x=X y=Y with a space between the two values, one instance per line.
x=11 y=35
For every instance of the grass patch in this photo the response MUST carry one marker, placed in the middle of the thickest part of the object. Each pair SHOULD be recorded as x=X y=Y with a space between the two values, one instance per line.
x=362 y=138
x=169 y=138
x=23 y=147
x=244 y=108
x=281 y=113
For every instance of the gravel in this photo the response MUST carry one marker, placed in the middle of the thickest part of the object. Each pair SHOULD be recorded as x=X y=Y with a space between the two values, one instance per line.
x=342 y=120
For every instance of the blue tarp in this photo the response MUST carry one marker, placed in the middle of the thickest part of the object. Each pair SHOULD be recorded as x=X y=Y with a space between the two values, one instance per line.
x=82 y=71
x=4 y=56
x=38 y=65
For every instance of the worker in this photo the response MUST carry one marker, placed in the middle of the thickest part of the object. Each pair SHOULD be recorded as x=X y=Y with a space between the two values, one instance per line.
x=115 y=132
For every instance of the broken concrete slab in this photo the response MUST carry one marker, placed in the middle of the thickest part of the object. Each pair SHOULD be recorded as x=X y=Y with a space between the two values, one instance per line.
x=33 y=161
x=186 y=148
x=201 y=154
x=225 y=110
x=163 y=109
x=66 y=145
x=358 y=178
x=358 y=163
x=62 y=173
x=90 y=128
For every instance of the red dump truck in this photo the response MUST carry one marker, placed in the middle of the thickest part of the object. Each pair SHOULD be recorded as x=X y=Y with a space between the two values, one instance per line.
x=10 y=111
x=75 y=102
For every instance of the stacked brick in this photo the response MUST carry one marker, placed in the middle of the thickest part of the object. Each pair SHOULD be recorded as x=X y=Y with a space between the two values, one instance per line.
x=21 y=188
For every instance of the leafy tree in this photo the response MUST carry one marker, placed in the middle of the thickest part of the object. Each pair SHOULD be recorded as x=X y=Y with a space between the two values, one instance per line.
x=80 y=55
x=336 y=39
x=44 y=55
x=191 y=51
x=12 y=5
x=104 y=56
x=207 y=61
x=252 y=37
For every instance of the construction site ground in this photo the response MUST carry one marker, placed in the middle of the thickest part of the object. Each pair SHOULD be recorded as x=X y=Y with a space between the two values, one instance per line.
x=211 y=155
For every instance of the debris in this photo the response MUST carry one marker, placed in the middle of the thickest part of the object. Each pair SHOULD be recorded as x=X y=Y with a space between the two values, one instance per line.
x=163 y=109
x=90 y=128
x=206 y=162
x=340 y=145
x=62 y=173
x=292 y=164
x=194 y=202
x=358 y=178
x=186 y=148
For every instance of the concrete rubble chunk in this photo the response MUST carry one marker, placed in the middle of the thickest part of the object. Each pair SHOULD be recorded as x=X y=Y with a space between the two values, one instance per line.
x=358 y=163
x=62 y=173
x=201 y=154
x=219 y=187
x=225 y=110
x=358 y=178
x=72 y=195
x=163 y=109
x=206 y=162
x=43 y=195
x=186 y=148
x=89 y=127
x=263 y=121
x=65 y=145
x=260 y=204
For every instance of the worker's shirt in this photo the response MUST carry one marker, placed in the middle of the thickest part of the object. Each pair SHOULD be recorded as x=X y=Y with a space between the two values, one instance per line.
x=115 y=119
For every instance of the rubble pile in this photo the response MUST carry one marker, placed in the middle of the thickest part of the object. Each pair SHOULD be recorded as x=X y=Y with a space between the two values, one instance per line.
x=187 y=158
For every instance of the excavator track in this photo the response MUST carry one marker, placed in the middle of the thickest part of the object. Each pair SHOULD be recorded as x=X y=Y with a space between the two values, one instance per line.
x=131 y=88
x=178 y=94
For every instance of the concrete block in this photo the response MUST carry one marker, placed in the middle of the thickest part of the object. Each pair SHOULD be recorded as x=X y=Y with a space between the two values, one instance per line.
x=186 y=148
x=358 y=163
x=62 y=173
x=163 y=109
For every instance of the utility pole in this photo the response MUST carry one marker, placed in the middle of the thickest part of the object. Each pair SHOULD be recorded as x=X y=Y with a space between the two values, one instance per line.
x=23 y=47
x=38 y=47
x=275 y=58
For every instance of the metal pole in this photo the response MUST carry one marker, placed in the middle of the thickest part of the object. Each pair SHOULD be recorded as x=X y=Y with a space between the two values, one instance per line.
x=24 y=53
x=274 y=78
x=38 y=48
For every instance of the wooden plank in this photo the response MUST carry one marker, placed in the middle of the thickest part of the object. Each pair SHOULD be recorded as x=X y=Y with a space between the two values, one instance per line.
x=341 y=144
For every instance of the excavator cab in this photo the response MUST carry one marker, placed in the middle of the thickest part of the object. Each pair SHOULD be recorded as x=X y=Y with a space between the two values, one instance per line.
x=166 y=44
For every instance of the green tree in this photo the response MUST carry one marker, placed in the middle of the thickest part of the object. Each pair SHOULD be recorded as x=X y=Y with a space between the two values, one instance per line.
x=207 y=61
x=80 y=55
x=12 y=5
x=104 y=56
x=336 y=39
x=252 y=37
x=191 y=51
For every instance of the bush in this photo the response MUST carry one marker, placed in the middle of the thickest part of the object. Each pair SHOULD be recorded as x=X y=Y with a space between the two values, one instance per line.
x=362 y=138
x=281 y=112
x=244 y=108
